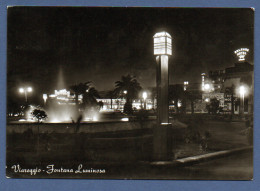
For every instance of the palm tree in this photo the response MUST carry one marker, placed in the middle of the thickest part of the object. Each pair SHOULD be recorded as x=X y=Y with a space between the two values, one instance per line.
x=131 y=86
x=79 y=89
x=90 y=96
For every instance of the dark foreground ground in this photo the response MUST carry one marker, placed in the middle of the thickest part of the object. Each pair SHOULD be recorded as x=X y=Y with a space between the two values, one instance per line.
x=128 y=154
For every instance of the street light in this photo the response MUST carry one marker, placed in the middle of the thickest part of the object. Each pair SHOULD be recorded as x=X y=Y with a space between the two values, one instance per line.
x=242 y=91
x=162 y=51
x=144 y=97
x=203 y=81
x=25 y=90
x=185 y=84
x=207 y=87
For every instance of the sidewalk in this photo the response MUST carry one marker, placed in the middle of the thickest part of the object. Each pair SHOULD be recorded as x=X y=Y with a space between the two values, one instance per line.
x=201 y=158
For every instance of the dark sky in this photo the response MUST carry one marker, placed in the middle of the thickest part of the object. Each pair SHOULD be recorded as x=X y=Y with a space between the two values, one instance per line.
x=102 y=44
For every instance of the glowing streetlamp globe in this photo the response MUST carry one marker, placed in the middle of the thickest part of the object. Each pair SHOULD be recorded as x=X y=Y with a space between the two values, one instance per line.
x=207 y=87
x=24 y=91
x=21 y=90
x=242 y=90
x=29 y=89
x=162 y=43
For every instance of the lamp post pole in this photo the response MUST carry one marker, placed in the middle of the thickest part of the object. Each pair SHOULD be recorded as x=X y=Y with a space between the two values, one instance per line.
x=162 y=143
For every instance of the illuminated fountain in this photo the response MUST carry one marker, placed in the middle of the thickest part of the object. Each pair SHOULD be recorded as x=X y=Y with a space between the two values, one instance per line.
x=61 y=105
x=28 y=117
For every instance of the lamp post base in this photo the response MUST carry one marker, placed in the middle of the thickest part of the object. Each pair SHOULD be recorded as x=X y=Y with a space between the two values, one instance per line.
x=162 y=142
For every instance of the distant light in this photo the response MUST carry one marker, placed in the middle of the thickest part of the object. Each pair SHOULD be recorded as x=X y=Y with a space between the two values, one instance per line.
x=125 y=119
x=44 y=96
x=55 y=121
x=95 y=118
x=242 y=90
x=21 y=90
x=206 y=86
x=207 y=100
x=125 y=91
x=29 y=89
x=162 y=43
x=144 y=95
x=241 y=53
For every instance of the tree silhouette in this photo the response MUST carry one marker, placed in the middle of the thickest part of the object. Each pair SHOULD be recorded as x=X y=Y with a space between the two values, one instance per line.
x=39 y=115
x=176 y=93
x=213 y=107
x=132 y=86
x=79 y=89
x=90 y=96
x=192 y=96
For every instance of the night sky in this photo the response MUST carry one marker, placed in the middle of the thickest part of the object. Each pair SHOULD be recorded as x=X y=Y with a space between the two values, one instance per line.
x=102 y=44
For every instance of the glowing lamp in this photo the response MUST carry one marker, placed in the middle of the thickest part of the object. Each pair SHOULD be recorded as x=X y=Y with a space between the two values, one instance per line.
x=21 y=90
x=162 y=43
x=242 y=90
x=207 y=87
x=144 y=95
x=241 y=53
x=29 y=89
x=44 y=96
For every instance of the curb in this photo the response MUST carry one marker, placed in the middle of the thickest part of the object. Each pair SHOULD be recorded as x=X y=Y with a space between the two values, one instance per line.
x=200 y=158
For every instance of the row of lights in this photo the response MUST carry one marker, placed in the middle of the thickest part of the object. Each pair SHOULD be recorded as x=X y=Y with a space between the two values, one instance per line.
x=25 y=91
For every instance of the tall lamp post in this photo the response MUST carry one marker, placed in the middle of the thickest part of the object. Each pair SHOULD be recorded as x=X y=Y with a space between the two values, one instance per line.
x=162 y=51
x=25 y=91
